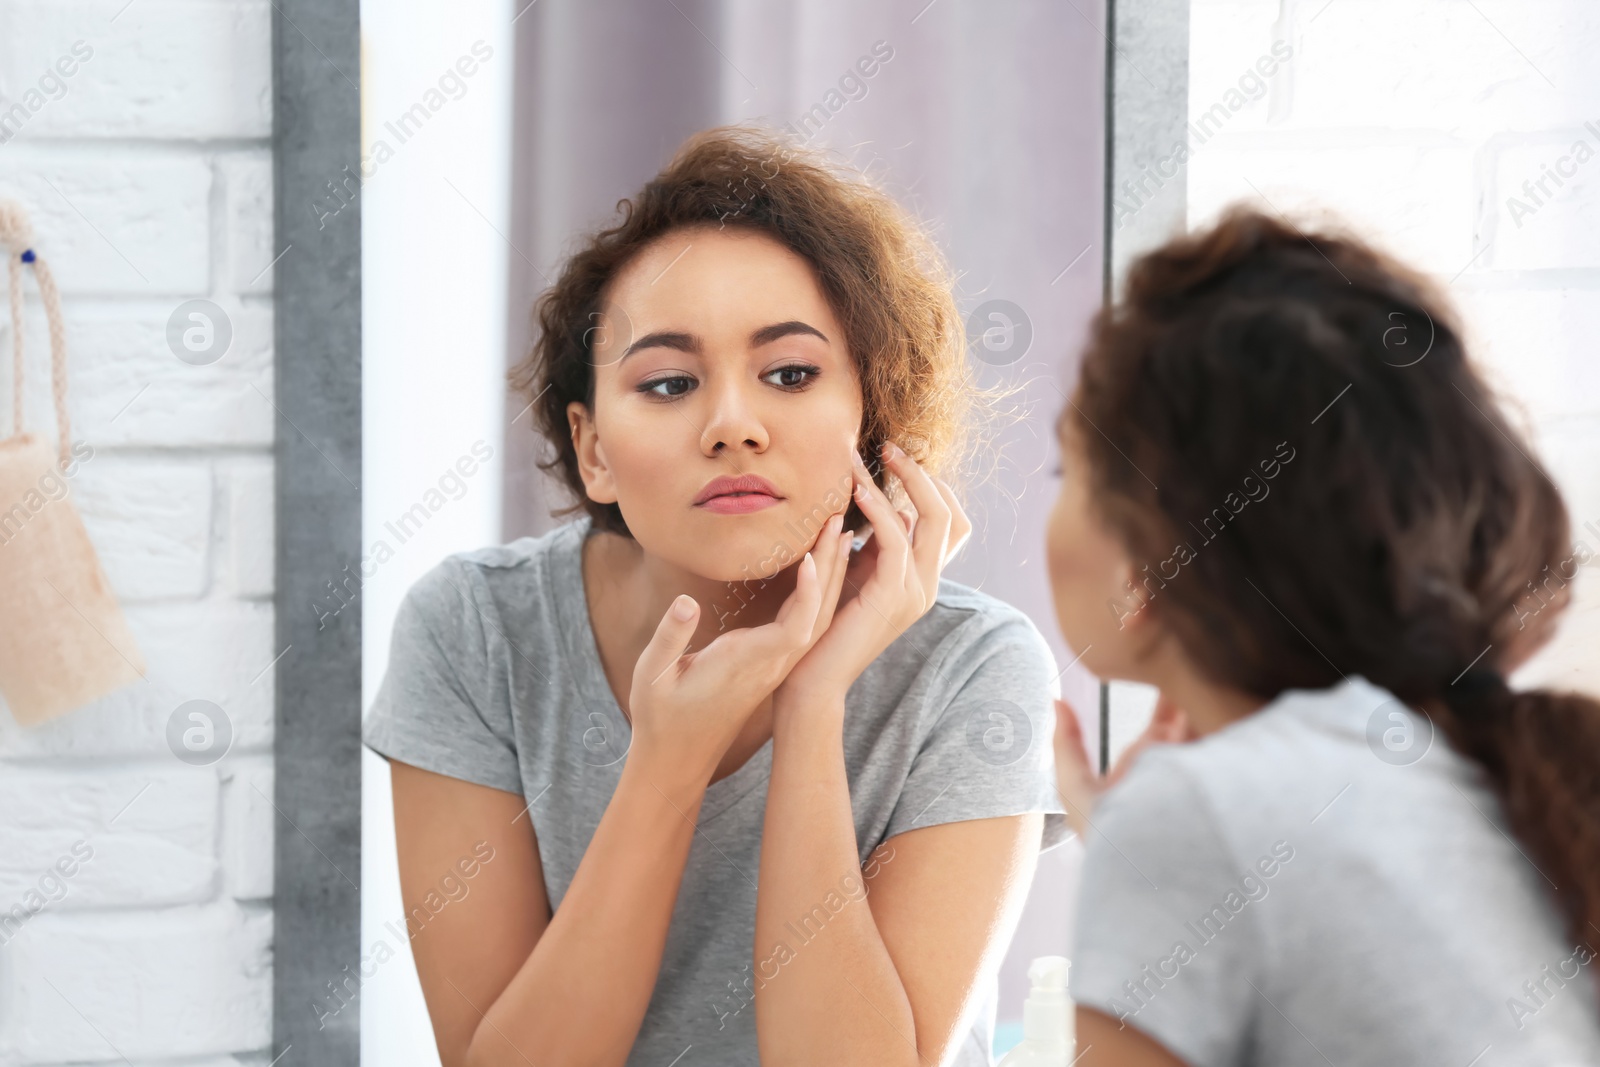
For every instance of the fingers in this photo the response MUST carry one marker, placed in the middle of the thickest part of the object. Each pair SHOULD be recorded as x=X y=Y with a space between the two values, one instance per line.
x=1069 y=736
x=933 y=512
x=671 y=638
x=960 y=525
x=833 y=552
x=830 y=560
x=798 y=615
x=841 y=570
x=888 y=529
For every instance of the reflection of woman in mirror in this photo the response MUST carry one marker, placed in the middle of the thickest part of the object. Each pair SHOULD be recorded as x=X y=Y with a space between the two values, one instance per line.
x=695 y=728
x=1324 y=544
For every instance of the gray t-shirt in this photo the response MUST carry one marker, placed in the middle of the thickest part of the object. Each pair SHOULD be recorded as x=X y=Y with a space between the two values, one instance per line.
x=1327 y=881
x=494 y=677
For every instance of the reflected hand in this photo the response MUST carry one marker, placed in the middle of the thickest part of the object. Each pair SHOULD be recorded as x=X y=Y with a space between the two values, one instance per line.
x=1076 y=778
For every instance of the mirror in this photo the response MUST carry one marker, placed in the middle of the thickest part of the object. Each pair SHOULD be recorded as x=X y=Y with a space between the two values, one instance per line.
x=528 y=155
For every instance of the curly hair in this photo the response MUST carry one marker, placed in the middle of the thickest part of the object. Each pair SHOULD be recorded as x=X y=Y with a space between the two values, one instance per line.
x=881 y=274
x=1416 y=544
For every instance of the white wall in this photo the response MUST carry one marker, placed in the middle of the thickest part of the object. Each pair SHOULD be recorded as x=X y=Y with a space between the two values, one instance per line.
x=1421 y=120
x=148 y=176
x=433 y=265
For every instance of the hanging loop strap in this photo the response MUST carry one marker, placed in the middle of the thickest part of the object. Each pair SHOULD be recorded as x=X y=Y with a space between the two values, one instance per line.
x=16 y=236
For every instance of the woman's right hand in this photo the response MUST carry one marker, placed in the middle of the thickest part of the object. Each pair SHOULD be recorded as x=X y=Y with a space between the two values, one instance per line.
x=686 y=709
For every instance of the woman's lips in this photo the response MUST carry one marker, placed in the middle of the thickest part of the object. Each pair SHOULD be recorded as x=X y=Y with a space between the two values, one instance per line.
x=739 y=503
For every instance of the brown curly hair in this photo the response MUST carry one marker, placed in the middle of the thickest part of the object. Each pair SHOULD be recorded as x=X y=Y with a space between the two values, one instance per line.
x=882 y=276
x=1419 y=540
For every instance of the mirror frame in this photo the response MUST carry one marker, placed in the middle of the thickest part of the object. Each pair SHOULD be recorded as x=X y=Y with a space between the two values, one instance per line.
x=1147 y=114
x=316 y=149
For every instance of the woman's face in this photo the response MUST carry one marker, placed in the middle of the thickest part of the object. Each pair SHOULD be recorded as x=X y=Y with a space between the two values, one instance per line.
x=718 y=358
x=1105 y=623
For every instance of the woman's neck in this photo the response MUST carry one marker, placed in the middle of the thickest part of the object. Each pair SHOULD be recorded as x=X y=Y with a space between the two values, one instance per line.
x=1208 y=705
x=629 y=592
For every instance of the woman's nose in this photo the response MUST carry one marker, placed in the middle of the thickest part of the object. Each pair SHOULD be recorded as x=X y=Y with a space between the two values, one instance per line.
x=733 y=421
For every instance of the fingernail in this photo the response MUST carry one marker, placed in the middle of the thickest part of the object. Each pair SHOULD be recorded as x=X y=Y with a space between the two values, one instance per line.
x=892 y=450
x=683 y=607
x=856 y=455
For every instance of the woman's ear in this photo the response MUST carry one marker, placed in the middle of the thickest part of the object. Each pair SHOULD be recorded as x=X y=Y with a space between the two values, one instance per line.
x=1144 y=622
x=597 y=482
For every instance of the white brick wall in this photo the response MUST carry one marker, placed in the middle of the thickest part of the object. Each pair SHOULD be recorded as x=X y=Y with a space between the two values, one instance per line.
x=1419 y=120
x=149 y=181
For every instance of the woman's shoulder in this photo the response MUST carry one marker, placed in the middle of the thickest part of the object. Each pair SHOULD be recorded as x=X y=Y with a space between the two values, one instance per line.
x=984 y=616
x=1340 y=760
x=969 y=632
x=553 y=547
x=472 y=573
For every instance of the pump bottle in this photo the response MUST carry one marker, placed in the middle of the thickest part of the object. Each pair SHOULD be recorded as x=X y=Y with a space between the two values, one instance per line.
x=1048 y=1037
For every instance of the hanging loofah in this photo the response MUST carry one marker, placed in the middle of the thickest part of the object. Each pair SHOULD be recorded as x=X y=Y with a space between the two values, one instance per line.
x=63 y=638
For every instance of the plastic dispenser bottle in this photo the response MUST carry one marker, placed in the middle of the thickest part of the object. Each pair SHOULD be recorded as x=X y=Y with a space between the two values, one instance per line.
x=1048 y=1039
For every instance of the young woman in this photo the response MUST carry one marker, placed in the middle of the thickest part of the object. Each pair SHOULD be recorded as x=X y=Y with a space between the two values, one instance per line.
x=1290 y=502
x=744 y=792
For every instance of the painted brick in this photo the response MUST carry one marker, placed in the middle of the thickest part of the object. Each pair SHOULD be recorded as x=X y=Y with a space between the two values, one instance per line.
x=1525 y=339
x=149 y=832
x=1466 y=69
x=123 y=221
x=248 y=821
x=150 y=521
x=180 y=982
x=250 y=534
x=246 y=180
x=1550 y=226
x=1416 y=199
x=125 y=387
x=159 y=69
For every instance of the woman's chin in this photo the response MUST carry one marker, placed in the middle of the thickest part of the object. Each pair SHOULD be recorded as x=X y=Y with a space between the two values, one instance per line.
x=750 y=548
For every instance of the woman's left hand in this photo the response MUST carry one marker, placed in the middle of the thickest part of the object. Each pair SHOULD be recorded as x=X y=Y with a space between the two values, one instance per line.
x=1079 y=784
x=890 y=583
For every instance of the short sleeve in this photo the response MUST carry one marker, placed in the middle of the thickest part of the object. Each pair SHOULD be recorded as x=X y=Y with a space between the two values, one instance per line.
x=435 y=707
x=988 y=753
x=1166 y=939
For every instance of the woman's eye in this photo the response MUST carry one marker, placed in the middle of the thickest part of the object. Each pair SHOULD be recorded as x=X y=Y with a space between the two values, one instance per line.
x=675 y=386
x=793 y=376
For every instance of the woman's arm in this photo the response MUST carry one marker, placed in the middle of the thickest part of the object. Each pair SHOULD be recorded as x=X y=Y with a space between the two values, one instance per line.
x=573 y=987
x=1105 y=1042
x=581 y=994
x=504 y=981
x=887 y=979
x=469 y=951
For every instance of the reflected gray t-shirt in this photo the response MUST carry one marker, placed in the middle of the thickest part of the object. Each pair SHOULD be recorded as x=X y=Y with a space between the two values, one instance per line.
x=1326 y=881
x=494 y=677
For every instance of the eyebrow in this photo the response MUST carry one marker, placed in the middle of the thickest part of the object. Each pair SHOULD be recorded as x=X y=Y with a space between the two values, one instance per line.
x=687 y=342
